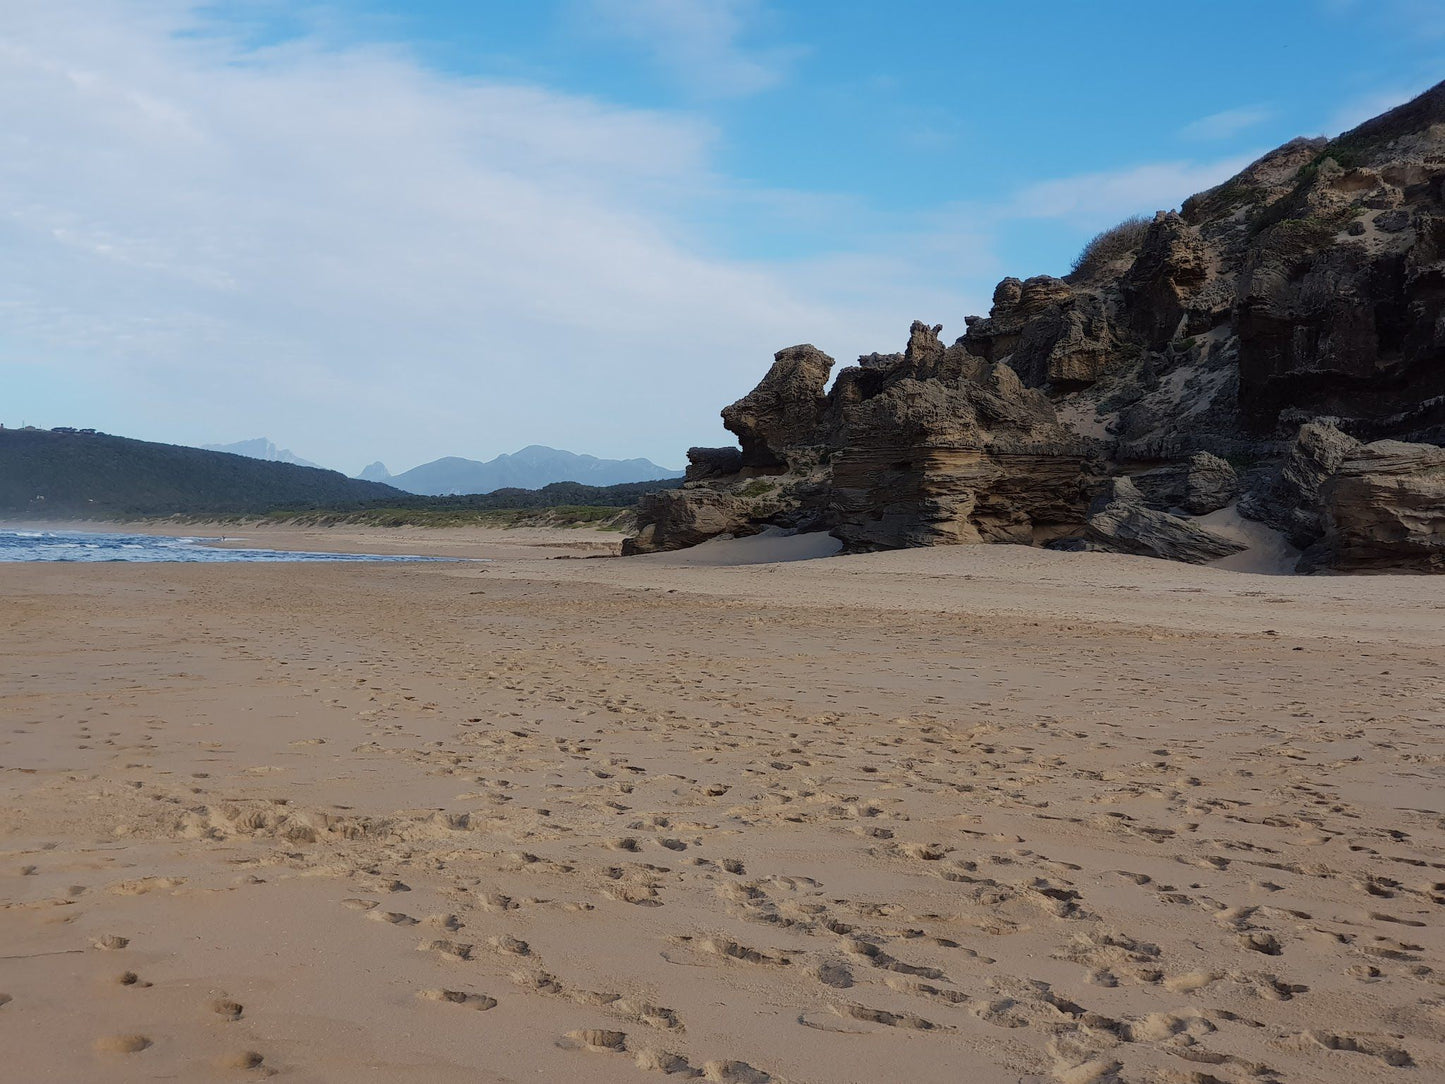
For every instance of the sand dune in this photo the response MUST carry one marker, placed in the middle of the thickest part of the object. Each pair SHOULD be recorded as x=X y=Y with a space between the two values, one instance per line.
x=984 y=814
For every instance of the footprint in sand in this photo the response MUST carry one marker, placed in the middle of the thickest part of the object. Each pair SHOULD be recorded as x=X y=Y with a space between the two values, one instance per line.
x=599 y=1039
x=480 y=1002
x=396 y=918
x=231 y=1010
x=735 y=1072
x=121 y=1044
x=145 y=884
x=240 y=1059
x=664 y=1061
x=454 y=949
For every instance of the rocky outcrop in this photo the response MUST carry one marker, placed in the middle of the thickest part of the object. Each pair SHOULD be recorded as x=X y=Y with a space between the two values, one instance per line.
x=1124 y=523
x=1275 y=322
x=1384 y=511
x=1355 y=507
x=1200 y=484
x=1050 y=334
x=783 y=412
x=929 y=446
x=1292 y=500
x=970 y=457
x=1210 y=484
x=677 y=518
x=706 y=463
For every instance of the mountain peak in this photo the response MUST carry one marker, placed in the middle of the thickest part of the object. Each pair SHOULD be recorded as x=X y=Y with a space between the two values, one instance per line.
x=531 y=467
x=260 y=448
x=375 y=472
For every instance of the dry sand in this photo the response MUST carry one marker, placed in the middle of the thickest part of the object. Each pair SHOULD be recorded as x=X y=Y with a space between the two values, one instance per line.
x=978 y=814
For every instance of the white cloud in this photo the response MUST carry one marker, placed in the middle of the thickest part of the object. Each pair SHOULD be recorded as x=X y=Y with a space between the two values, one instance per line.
x=1227 y=123
x=1091 y=200
x=703 y=44
x=337 y=248
x=332 y=246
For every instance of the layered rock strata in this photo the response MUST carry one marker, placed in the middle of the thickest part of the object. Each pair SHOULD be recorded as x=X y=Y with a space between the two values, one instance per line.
x=1280 y=339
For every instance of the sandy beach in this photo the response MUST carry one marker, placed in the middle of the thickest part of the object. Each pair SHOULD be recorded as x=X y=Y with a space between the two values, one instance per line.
x=984 y=814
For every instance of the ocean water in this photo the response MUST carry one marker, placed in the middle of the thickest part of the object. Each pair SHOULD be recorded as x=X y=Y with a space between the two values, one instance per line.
x=18 y=545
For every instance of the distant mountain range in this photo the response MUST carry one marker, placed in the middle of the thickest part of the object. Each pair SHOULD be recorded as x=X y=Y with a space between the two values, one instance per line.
x=531 y=468
x=262 y=448
x=69 y=473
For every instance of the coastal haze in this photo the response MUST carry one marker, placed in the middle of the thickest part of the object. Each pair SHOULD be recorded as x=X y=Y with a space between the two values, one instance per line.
x=1053 y=698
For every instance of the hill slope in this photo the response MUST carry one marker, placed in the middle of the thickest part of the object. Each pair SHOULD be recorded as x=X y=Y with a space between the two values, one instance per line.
x=532 y=468
x=69 y=474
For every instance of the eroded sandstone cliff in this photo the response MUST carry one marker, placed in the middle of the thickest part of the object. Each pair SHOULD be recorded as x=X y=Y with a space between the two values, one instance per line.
x=1280 y=339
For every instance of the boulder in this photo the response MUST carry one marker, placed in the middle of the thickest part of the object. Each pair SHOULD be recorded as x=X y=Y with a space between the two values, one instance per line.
x=1210 y=484
x=1123 y=523
x=1200 y=484
x=674 y=519
x=1291 y=501
x=1383 y=510
x=708 y=463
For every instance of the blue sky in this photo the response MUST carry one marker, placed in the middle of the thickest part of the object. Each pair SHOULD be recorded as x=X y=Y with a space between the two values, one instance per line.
x=371 y=229
x=905 y=108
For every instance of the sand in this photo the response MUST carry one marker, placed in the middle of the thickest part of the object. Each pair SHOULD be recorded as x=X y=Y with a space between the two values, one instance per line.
x=983 y=814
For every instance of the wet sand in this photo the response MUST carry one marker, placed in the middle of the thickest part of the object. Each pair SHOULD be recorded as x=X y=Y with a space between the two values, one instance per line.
x=984 y=814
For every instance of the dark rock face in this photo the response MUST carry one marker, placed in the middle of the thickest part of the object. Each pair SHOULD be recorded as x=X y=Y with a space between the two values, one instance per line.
x=705 y=463
x=1172 y=265
x=1275 y=321
x=1292 y=502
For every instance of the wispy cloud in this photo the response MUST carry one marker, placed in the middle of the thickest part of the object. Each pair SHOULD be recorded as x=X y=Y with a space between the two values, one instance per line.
x=331 y=240
x=1090 y=199
x=1362 y=108
x=705 y=45
x=327 y=243
x=1424 y=18
x=1227 y=123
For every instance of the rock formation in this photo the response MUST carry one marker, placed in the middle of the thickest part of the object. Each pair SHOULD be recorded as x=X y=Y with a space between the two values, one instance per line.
x=1280 y=340
x=1358 y=507
x=1124 y=523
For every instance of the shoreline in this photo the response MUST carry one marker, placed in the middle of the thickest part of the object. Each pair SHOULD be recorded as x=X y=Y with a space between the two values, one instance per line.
x=985 y=580
x=458 y=542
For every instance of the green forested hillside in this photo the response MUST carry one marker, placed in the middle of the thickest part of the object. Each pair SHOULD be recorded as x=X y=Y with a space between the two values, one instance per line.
x=93 y=474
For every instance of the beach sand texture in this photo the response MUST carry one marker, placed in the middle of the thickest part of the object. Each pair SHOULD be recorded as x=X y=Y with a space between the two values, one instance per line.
x=974 y=814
